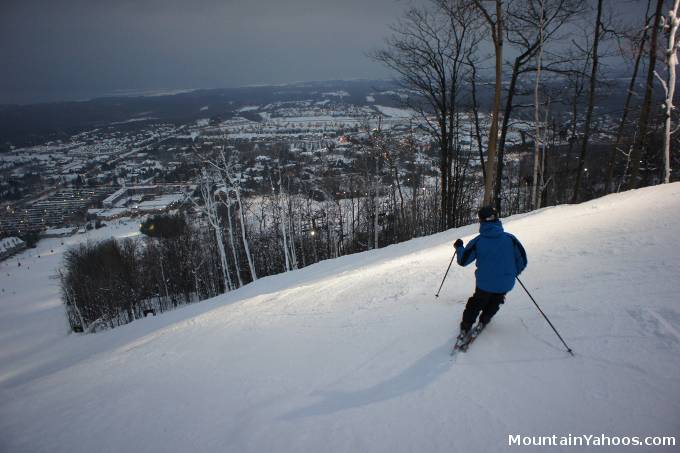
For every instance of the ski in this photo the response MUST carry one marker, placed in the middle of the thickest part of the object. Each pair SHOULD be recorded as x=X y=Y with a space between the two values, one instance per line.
x=457 y=345
x=462 y=344
x=474 y=333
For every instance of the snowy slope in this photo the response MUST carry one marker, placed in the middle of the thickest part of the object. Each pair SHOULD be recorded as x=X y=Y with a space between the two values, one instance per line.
x=351 y=355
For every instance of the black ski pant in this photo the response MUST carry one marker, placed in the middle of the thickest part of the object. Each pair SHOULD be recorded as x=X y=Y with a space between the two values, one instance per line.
x=481 y=301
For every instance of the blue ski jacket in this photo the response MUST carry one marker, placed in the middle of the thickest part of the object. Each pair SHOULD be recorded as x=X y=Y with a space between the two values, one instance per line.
x=500 y=257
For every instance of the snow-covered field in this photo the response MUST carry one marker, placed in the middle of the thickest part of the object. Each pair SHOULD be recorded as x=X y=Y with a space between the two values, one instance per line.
x=396 y=112
x=351 y=355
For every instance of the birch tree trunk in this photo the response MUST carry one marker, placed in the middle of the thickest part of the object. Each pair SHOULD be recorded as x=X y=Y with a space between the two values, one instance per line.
x=246 y=247
x=542 y=184
x=213 y=219
x=669 y=87
x=291 y=233
x=375 y=204
x=232 y=243
x=283 y=217
x=237 y=191
x=537 y=113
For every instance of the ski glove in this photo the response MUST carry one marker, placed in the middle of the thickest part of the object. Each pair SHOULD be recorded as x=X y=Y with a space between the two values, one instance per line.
x=458 y=243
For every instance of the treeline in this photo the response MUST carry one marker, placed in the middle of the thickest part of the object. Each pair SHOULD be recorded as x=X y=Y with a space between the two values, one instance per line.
x=113 y=282
x=223 y=241
x=176 y=262
x=552 y=66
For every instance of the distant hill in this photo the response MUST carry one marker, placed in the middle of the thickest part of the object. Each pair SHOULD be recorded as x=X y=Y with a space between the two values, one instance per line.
x=23 y=125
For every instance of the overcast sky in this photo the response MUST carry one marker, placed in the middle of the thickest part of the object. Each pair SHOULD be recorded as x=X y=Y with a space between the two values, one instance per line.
x=75 y=49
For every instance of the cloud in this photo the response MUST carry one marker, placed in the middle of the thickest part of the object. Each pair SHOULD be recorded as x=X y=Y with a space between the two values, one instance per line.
x=72 y=47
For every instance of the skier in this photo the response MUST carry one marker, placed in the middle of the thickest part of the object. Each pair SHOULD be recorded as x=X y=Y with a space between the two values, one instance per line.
x=500 y=258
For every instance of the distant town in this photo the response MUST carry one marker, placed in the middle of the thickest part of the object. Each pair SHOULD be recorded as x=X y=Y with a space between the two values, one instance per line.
x=65 y=186
x=145 y=165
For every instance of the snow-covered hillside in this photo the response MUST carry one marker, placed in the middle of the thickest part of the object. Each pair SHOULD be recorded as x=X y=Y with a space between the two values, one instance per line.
x=351 y=355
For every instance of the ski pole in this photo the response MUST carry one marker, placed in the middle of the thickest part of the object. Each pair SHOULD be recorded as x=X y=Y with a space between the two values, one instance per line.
x=447 y=273
x=546 y=318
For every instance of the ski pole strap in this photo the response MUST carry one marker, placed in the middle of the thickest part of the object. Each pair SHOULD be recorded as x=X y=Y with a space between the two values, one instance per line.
x=447 y=273
x=546 y=318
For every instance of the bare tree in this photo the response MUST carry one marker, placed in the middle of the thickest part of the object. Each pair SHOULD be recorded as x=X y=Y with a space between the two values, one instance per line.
x=225 y=171
x=475 y=111
x=428 y=50
x=282 y=202
x=638 y=43
x=640 y=145
x=209 y=208
x=495 y=23
x=227 y=203
x=591 y=100
x=672 y=22
x=531 y=25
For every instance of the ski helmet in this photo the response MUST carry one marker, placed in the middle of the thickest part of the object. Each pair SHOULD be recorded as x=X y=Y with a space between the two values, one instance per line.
x=487 y=214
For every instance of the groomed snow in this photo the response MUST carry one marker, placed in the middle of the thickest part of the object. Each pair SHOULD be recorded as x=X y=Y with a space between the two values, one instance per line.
x=351 y=355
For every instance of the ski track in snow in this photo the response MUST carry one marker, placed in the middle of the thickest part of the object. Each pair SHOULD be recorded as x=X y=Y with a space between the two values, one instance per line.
x=352 y=354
